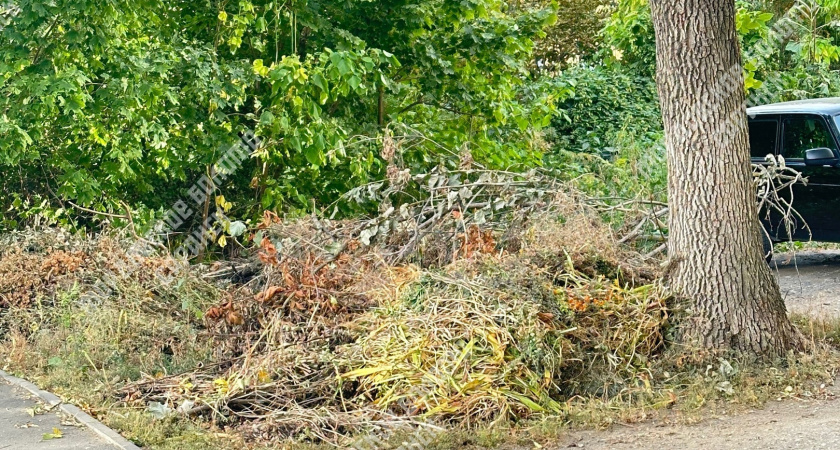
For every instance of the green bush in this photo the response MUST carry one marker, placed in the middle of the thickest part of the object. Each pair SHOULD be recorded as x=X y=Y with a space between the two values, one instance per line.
x=603 y=103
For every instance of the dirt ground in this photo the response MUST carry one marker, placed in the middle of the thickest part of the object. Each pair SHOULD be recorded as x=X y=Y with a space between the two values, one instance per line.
x=810 y=284
x=780 y=425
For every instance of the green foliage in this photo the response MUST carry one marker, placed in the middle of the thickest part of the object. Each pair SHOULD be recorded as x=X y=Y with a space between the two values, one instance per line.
x=611 y=107
x=120 y=106
x=608 y=137
x=573 y=37
x=790 y=55
x=628 y=37
x=637 y=169
x=601 y=102
x=109 y=104
x=298 y=130
x=99 y=109
x=752 y=25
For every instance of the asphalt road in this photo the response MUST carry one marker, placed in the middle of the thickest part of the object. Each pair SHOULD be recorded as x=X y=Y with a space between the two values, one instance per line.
x=21 y=430
x=810 y=282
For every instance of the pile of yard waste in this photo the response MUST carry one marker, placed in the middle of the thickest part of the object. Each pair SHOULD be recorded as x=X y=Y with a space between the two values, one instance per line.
x=493 y=298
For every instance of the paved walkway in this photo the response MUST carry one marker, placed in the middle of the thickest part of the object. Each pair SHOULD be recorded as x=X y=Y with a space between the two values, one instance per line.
x=20 y=430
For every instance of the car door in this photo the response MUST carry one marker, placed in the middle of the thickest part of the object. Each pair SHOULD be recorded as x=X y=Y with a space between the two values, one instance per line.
x=818 y=202
x=765 y=131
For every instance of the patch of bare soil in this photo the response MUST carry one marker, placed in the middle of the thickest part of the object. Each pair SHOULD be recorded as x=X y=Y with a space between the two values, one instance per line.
x=780 y=425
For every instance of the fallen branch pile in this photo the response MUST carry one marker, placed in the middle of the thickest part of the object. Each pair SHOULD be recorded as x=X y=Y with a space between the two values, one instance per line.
x=463 y=309
x=482 y=297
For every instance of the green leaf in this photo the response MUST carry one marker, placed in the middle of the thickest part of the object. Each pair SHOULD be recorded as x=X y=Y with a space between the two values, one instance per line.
x=237 y=228
x=313 y=155
x=266 y=118
x=259 y=68
x=320 y=81
x=56 y=434
x=343 y=66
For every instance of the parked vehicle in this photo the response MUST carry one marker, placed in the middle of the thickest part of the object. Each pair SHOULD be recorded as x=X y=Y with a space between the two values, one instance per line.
x=806 y=134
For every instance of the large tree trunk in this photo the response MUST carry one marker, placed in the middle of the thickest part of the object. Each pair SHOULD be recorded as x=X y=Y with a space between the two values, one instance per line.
x=714 y=242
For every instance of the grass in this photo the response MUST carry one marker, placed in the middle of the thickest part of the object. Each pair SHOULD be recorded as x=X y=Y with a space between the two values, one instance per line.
x=170 y=433
x=85 y=354
x=798 y=246
x=497 y=349
x=84 y=348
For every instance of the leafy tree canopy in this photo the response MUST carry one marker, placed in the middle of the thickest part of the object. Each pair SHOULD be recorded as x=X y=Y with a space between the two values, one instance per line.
x=111 y=101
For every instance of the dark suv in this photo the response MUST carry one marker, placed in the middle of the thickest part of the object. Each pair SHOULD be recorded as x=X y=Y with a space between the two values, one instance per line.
x=806 y=134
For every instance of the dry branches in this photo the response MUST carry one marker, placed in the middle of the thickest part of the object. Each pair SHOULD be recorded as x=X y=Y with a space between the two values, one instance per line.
x=775 y=182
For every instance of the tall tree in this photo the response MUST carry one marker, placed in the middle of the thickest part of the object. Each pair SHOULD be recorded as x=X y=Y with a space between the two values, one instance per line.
x=715 y=241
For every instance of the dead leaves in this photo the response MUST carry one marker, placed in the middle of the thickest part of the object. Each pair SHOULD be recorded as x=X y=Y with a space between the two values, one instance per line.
x=268 y=219
x=61 y=262
x=227 y=312
x=268 y=293
x=24 y=276
x=545 y=317
x=268 y=252
x=298 y=288
x=308 y=284
x=476 y=242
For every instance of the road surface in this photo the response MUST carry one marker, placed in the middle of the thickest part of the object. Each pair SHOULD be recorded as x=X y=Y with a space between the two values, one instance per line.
x=810 y=282
x=21 y=430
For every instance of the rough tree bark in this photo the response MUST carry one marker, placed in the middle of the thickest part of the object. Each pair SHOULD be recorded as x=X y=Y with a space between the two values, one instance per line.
x=714 y=243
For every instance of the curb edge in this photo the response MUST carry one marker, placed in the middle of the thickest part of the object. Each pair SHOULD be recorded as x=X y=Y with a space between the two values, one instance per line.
x=105 y=433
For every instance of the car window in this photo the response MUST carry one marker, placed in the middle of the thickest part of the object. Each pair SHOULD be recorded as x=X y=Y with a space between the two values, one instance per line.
x=763 y=137
x=803 y=134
